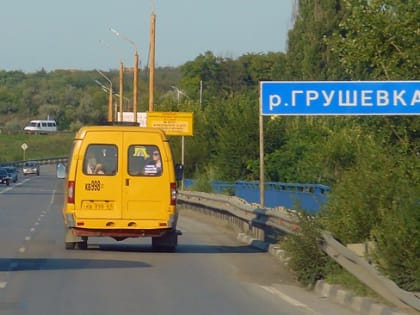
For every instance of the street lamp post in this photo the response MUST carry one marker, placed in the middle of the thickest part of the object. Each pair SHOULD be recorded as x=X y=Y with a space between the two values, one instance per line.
x=110 y=95
x=126 y=99
x=135 y=71
x=121 y=82
x=106 y=90
x=178 y=95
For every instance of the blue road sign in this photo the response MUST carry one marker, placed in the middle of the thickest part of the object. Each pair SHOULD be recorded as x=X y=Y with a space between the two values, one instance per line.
x=340 y=97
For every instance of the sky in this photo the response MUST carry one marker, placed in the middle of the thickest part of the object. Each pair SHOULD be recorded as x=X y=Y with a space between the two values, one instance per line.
x=76 y=34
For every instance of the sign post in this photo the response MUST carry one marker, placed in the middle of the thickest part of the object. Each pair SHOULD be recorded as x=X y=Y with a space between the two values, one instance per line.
x=174 y=124
x=294 y=98
x=24 y=147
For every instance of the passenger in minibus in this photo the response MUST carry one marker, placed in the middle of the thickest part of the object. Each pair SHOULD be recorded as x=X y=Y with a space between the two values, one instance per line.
x=154 y=166
x=92 y=165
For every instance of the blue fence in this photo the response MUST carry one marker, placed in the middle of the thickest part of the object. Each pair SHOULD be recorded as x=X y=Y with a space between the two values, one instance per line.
x=309 y=197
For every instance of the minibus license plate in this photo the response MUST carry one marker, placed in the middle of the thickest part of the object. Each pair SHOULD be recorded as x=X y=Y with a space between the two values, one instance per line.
x=98 y=205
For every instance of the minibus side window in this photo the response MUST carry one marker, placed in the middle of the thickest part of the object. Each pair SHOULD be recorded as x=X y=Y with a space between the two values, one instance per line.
x=144 y=160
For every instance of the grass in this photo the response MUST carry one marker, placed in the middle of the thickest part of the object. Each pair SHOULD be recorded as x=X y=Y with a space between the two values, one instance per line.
x=349 y=282
x=39 y=146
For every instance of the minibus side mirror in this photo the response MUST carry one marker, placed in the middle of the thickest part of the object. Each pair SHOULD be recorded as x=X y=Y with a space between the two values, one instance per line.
x=179 y=171
x=61 y=170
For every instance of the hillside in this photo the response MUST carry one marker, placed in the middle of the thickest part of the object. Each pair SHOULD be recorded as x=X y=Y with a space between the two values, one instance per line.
x=39 y=146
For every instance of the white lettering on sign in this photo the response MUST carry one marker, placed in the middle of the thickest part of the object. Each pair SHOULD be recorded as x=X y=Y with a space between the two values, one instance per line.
x=294 y=93
x=416 y=98
x=328 y=98
x=382 y=98
x=311 y=96
x=399 y=96
x=275 y=100
x=366 y=99
x=345 y=98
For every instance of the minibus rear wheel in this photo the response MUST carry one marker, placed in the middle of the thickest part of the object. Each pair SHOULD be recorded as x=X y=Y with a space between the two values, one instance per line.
x=168 y=242
x=70 y=245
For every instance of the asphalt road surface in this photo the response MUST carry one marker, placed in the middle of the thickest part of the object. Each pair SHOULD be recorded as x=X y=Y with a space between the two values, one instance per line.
x=210 y=273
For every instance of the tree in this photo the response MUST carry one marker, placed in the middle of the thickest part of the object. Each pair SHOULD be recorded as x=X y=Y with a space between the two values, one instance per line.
x=236 y=146
x=378 y=40
x=308 y=57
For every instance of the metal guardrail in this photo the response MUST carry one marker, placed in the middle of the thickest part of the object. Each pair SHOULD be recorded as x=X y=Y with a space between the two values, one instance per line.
x=309 y=197
x=253 y=219
x=53 y=160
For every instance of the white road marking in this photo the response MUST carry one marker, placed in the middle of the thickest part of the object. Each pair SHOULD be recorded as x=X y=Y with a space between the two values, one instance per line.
x=288 y=299
x=3 y=284
x=5 y=190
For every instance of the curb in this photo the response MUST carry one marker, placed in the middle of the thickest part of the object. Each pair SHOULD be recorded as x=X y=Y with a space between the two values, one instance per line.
x=361 y=305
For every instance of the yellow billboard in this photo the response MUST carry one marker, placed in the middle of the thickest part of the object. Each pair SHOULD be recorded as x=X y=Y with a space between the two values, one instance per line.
x=173 y=123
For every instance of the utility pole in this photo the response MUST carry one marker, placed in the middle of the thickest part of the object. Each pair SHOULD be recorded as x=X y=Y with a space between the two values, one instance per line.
x=152 y=60
x=135 y=72
x=121 y=91
x=121 y=81
x=135 y=84
x=110 y=95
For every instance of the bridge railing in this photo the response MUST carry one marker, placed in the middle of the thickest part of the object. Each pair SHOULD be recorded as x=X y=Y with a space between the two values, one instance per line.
x=252 y=219
x=308 y=197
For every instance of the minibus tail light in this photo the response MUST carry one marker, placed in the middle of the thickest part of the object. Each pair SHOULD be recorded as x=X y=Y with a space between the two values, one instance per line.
x=173 y=193
x=70 y=192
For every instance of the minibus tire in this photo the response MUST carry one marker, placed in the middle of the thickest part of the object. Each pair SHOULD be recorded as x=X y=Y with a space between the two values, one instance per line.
x=167 y=242
x=82 y=245
x=70 y=245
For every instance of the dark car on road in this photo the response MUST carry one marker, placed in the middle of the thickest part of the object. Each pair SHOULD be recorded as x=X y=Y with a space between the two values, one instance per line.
x=4 y=177
x=13 y=173
x=30 y=168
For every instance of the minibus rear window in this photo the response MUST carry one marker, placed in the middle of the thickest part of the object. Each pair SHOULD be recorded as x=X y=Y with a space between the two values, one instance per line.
x=101 y=159
x=144 y=160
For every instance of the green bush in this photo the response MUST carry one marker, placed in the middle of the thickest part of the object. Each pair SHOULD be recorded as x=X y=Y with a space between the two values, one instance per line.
x=354 y=206
x=398 y=246
x=383 y=208
x=307 y=260
x=203 y=180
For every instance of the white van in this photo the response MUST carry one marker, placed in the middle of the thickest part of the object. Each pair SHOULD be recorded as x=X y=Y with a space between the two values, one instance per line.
x=41 y=126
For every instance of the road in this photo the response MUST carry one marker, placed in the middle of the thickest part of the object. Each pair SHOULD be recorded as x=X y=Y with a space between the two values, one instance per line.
x=210 y=273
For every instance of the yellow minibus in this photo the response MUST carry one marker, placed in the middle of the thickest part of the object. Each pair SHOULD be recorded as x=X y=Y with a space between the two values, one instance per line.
x=120 y=183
